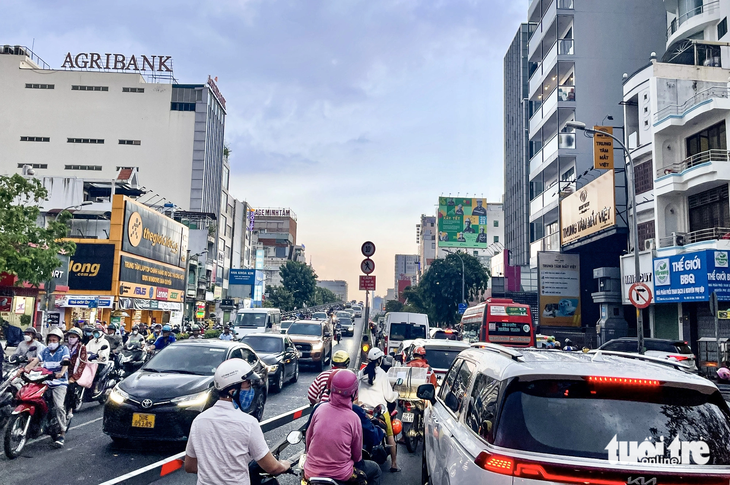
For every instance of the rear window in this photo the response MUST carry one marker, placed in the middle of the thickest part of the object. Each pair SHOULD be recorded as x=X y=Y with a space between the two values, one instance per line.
x=406 y=331
x=441 y=359
x=441 y=335
x=250 y=320
x=575 y=418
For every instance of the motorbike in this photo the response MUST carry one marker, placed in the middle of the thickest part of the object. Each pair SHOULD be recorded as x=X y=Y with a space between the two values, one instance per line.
x=412 y=418
x=258 y=476
x=10 y=386
x=130 y=359
x=378 y=453
x=33 y=414
x=104 y=382
x=338 y=334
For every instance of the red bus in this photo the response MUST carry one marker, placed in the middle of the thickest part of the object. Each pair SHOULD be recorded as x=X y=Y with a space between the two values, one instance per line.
x=499 y=321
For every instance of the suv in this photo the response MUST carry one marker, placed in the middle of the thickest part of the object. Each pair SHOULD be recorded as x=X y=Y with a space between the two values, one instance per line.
x=674 y=350
x=534 y=417
x=313 y=339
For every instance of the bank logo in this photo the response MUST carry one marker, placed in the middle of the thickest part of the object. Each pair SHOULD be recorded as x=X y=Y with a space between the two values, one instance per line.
x=134 y=229
x=721 y=259
x=661 y=272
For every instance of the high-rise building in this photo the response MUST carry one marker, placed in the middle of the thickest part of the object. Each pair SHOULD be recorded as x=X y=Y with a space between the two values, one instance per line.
x=406 y=271
x=338 y=287
x=275 y=231
x=426 y=239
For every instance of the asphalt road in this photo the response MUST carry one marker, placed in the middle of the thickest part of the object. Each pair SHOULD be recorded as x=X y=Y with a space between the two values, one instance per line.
x=90 y=456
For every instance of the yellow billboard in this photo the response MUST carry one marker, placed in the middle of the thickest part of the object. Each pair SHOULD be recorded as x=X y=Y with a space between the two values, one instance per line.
x=588 y=210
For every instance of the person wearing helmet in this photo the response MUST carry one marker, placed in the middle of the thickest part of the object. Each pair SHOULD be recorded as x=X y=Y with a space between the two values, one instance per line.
x=135 y=337
x=94 y=346
x=88 y=332
x=224 y=438
x=114 y=339
x=418 y=358
x=375 y=389
x=56 y=358
x=226 y=335
x=334 y=436
x=165 y=339
x=195 y=332
x=77 y=351
x=155 y=333
x=30 y=347
x=319 y=390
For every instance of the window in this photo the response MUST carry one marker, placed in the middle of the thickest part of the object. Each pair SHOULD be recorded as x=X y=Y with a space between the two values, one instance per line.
x=93 y=141
x=496 y=223
x=133 y=90
x=482 y=410
x=33 y=165
x=709 y=209
x=40 y=86
x=244 y=354
x=722 y=28
x=182 y=106
x=127 y=168
x=96 y=168
x=89 y=88
x=711 y=138
x=449 y=379
x=130 y=142
x=644 y=177
x=496 y=239
x=646 y=231
x=35 y=138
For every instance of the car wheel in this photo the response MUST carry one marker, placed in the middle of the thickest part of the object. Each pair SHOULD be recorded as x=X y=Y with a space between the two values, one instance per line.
x=258 y=410
x=320 y=365
x=295 y=377
x=279 y=382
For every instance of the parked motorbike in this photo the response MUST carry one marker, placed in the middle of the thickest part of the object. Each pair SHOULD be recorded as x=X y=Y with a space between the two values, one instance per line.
x=130 y=359
x=33 y=414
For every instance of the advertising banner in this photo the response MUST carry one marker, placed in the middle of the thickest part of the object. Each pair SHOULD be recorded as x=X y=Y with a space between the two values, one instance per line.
x=462 y=223
x=134 y=270
x=603 y=148
x=692 y=277
x=241 y=277
x=91 y=267
x=139 y=304
x=153 y=235
x=84 y=301
x=589 y=210
x=559 y=277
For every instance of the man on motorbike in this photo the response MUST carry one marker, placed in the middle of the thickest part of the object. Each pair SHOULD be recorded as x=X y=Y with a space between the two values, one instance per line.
x=226 y=335
x=88 y=332
x=165 y=339
x=135 y=338
x=319 y=390
x=334 y=436
x=115 y=340
x=224 y=438
x=77 y=351
x=195 y=332
x=55 y=358
x=94 y=346
x=30 y=341
x=155 y=333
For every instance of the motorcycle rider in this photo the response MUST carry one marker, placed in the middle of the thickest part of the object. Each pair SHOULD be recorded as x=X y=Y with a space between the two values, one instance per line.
x=135 y=338
x=52 y=358
x=334 y=436
x=319 y=389
x=114 y=339
x=569 y=346
x=30 y=341
x=419 y=360
x=375 y=389
x=88 y=331
x=165 y=339
x=224 y=438
x=226 y=335
x=94 y=346
x=77 y=351
x=195 y=332
x=155 y=333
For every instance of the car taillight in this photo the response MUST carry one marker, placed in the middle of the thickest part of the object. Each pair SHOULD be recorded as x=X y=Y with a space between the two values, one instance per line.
x=495 y=463
x=679 y=357
x=623 y=381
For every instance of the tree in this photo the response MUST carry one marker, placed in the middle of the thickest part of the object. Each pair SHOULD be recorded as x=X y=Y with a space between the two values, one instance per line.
x=441 y=286
x=27 y=250
x=393 y=306
x=322 y=296
x=300 y=280
x=279 y=297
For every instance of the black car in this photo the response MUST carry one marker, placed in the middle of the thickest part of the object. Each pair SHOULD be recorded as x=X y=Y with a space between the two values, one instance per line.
x=160 y=401
x=348 y=328
x=279 y=355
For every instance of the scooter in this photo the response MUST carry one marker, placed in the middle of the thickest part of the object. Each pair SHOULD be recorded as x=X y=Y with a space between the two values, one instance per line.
x=9 y=387
x=338 y=334
x=104 y=382
x=33 y=414
x=258 y=476
x=380 y=452
x=412 y=418
x=131 y=358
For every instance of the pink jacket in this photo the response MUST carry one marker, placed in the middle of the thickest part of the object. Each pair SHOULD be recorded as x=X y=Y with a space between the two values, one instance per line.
x=334 y=440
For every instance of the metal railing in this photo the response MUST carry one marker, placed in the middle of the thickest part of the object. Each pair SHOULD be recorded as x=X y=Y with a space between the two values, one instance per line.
x=21 y=50
x=701 y=96
x=714 y=155
x=565 y=47
x=704 y=8
x=684 y=238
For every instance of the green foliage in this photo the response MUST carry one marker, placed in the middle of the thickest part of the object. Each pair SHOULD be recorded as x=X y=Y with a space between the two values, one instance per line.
x=27 y=250
x=393 y=306
x=279 y=297
x=322 y=296
x=182 y=336
x=300 y=280
x=25 y=320
x=211 y=333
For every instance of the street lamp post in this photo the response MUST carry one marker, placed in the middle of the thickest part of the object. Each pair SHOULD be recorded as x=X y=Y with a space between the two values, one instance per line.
x=463 y=300
x=578 y=125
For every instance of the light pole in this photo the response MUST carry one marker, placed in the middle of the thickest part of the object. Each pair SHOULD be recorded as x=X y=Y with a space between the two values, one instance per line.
x=578 y=125
x=462 y=273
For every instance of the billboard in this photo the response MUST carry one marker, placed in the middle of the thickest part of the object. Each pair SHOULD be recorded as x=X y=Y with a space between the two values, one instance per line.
x=462 y=223
x=91 y=267
x=559 y=277
x=588 y=210
x=692 y=277
x=241 y=276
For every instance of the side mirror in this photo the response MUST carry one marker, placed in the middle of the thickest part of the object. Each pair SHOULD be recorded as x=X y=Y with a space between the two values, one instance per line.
x=378 y=411
x=294 y=437
x=426 y=392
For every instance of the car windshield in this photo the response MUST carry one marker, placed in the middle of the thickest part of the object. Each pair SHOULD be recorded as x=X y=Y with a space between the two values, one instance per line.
x=576 y=418
x=264 y=344
x=305 y=329
x=319 y=316
x=441 y=335
x=345 y=321
x=441 y=359
x=406 y=331
x=343 y=314
x=187 y=359
x=251 y=320
x=286 y=324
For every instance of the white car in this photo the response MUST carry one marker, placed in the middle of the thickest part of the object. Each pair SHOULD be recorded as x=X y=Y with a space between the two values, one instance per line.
x=540 y=417
x=440 y=354
x=674 y=350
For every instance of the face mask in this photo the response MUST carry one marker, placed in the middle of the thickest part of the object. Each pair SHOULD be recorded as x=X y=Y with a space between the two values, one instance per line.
x=134 y=332
x=27 y=338
x=73 y=340
x=243 y=398
x=53 y=346
x=97 y=335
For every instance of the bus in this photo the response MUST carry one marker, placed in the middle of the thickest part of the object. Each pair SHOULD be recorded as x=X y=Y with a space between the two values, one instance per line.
x=499 y=321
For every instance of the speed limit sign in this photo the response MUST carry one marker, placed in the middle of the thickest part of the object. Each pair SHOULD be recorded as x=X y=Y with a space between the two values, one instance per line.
x=368 y=249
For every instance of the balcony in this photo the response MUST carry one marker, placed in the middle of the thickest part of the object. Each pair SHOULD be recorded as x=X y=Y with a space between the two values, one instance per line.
x=547 y=199
x=698 y=14
x=703 y=97
x=694 y=174
x=693 y=161
x=562 y=47
x=550 y=150
x=703 y=235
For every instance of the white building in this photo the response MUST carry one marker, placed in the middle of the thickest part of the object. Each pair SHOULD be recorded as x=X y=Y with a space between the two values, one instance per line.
x=338 y=287
x=426 y=240
x=406 y=268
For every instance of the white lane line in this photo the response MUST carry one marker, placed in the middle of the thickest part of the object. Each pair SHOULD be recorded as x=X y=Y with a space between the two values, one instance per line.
x=70 y=429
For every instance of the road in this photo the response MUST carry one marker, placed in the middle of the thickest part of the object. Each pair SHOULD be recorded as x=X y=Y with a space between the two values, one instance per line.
x=90 y=456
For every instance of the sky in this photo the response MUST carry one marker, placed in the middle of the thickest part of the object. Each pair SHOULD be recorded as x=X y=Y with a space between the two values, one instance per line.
x=357 y=115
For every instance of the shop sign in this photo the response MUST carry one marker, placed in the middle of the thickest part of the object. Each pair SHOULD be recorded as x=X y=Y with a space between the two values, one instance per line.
x=603 y=148
x=91 y=267
x=273 y=212
x=117 y=62
x=589 y=210
x=53 y=319
x=139 y=271
x=214 y=88
x=217 y=293
x=19 y=308
x=139 y=304
x=6 y=303
x=76 y=301
x=60 y=274
x=692 y=277
x=559 y=277
x=200 y=309
x=153 y=235
x=132 y=290
x=241 y=277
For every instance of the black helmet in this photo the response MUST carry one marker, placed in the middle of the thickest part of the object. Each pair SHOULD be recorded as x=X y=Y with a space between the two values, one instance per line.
x=31 y=331
x=88 y=329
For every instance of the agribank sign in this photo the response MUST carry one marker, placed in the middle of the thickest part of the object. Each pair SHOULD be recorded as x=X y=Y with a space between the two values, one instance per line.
x=118 y=62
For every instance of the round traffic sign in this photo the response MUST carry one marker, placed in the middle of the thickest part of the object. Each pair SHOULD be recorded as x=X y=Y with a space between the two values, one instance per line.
x=640 y=295
x=368 y=249
x=367 y=266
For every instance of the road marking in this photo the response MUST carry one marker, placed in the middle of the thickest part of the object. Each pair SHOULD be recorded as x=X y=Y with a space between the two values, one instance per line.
x=70 y=429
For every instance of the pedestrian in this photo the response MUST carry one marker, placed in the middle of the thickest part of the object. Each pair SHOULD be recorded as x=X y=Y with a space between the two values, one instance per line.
x=224 y=438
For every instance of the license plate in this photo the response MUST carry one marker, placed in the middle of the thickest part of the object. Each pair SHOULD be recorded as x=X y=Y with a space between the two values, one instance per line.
x=141 y=420
x=407 y=417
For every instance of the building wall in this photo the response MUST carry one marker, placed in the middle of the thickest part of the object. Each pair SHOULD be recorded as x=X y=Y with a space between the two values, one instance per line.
x=338 y=287
x=406 y=267
x=427 y=241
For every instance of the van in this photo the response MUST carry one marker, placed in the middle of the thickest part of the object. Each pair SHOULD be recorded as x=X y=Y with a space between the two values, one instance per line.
x=256 y=320
x=401 y=326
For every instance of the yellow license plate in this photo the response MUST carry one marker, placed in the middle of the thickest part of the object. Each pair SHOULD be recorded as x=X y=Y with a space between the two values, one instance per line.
x=140 y=420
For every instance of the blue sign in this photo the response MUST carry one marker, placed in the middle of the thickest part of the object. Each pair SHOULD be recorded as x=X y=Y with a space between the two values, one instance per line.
x=241 y=276
x=462 y=308
x=692 y=277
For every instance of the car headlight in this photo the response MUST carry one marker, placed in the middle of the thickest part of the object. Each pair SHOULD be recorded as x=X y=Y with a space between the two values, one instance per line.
x=318 y=346
x=272 y=368
x=195 y=401
x=118 y=396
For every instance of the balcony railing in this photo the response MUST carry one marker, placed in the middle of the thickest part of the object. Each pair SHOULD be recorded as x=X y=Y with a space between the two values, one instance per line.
x=566 y=93
x=565 y=47
x=707 y=7
x=694 y=160
x=700 y=97
x=566 y=4
x=684 y=238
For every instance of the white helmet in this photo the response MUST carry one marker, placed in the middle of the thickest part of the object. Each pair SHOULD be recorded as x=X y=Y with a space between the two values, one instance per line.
x=57 y=332
x=232 y=372
x=375 y=353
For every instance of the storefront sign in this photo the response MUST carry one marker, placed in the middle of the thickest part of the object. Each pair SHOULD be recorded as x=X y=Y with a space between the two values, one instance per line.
x=628 y=276
x=149 y=292
x=139 y=304
x=117 y=62
x=76 y=301
x=273 y=212
x=200 y=310
x=559 y=277
x=589 y=210
x=603 y=148
x=241 y=277
x=6 y=303
x=91 y=267
x=60 y=274
x=139 y=271
x=692 y=277
x=53 y=319
x=153 y=235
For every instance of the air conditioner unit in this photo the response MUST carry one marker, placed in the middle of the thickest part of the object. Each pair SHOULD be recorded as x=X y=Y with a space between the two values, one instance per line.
x=678 y=238
x=649 y=244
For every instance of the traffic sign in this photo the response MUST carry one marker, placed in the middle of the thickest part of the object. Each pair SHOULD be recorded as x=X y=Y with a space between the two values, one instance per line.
x=640 y=295
x=367 y=266
x=367 y=283
x=368 y=249
x=462 y=308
